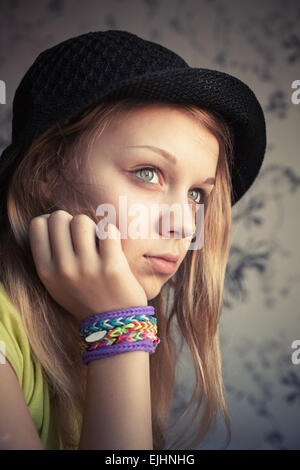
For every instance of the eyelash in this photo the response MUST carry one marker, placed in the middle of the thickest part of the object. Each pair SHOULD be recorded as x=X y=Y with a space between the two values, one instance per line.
x=204 y=194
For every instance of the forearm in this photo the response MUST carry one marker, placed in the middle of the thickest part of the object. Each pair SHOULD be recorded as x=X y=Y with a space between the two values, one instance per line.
x=118 y=403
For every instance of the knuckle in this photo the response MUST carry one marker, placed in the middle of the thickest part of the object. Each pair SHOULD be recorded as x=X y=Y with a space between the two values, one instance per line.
x=81 y=219
x=34 y=223
x=58 y=217
x=60 y=213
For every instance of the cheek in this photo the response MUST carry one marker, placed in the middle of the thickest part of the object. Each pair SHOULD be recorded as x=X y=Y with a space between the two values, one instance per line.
x=151 y=282
x=133 y=250
x=104 y=186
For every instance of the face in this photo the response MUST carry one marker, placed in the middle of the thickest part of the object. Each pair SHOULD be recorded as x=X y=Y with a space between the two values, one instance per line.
x=114 y=168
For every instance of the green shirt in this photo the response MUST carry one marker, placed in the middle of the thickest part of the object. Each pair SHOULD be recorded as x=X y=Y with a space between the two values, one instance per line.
x=28 y=370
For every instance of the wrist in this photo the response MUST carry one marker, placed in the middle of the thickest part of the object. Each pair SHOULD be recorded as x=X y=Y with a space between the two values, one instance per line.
x=118 y=331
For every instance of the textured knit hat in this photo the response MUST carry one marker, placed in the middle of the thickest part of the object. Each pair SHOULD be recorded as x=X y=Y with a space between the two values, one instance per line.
x=80 y=72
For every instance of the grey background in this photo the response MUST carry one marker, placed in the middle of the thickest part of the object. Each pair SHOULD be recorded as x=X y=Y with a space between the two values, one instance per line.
x=259 y=42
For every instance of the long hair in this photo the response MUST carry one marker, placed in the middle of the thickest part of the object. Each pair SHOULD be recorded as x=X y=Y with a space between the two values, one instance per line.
x=193 y=296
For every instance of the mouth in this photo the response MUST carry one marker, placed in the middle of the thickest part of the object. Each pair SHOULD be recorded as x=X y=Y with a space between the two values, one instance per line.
x=161 y=265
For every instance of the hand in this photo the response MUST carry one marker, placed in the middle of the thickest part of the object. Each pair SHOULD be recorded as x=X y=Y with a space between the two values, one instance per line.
x=81 y=277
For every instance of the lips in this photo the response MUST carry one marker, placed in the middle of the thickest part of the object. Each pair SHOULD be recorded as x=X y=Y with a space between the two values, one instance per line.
x=161 y=265
x=166 y=256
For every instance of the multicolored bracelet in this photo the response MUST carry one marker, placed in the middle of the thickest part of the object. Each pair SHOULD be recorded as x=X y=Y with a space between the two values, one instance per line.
x=117 y=331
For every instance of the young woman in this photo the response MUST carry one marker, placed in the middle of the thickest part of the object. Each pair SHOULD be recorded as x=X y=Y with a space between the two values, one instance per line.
x=100 y=118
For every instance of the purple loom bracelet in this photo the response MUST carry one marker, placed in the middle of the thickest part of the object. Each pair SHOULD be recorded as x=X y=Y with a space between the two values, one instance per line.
x=125 y=312
x=106 y=351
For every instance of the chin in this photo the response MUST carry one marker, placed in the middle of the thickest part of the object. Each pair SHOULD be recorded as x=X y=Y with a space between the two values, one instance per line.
x=151 y=297
x=152 y=293
x=151 y=289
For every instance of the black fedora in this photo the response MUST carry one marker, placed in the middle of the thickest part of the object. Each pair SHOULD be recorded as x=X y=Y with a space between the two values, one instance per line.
x=82 y=71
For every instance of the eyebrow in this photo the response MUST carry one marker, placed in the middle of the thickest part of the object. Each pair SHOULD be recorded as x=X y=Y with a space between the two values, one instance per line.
x=168 y=156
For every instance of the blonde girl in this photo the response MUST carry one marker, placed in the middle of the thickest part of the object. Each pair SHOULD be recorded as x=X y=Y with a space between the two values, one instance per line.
x=98 y=117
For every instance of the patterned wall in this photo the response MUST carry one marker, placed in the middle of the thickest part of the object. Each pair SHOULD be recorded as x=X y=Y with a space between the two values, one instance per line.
x=259 y=42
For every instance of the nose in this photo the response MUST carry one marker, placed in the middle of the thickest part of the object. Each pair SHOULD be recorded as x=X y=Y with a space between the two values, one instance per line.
x=177 y=220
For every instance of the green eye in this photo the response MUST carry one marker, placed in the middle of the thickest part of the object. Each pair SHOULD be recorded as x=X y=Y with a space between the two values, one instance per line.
x=147 y=175
x=201 y=192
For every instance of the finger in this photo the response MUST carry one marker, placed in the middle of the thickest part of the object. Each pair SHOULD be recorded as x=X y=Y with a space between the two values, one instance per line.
x=110 y=247
x=60 y=238
x=40 y=243
x=83 y=232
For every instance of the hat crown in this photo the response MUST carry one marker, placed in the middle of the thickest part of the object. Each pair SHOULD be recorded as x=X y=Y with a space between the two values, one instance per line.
x=95 y=57
x=91 y=61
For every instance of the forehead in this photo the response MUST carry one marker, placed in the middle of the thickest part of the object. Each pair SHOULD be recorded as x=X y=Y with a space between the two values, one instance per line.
x=165 y=121
x=171 y=129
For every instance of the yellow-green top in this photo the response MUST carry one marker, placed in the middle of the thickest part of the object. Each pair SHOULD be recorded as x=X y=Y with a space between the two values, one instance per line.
x=28 y=370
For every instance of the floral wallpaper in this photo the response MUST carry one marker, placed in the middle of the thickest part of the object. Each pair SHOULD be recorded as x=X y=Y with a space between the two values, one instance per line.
x=259 y=42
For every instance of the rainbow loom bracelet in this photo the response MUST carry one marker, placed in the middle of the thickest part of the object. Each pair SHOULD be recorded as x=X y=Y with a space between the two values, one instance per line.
x=118 y=331
x=106 y=333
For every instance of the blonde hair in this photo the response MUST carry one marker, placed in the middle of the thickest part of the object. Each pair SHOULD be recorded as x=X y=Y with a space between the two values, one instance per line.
x=197 y=286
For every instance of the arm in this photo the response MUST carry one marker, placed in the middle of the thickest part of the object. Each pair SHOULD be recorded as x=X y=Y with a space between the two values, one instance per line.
x=17 y=429
x=118 y=403
x=89 y=281
x=117 y=413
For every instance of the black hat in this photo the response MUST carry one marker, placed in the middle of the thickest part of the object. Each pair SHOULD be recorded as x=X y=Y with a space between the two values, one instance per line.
x=81 y=71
